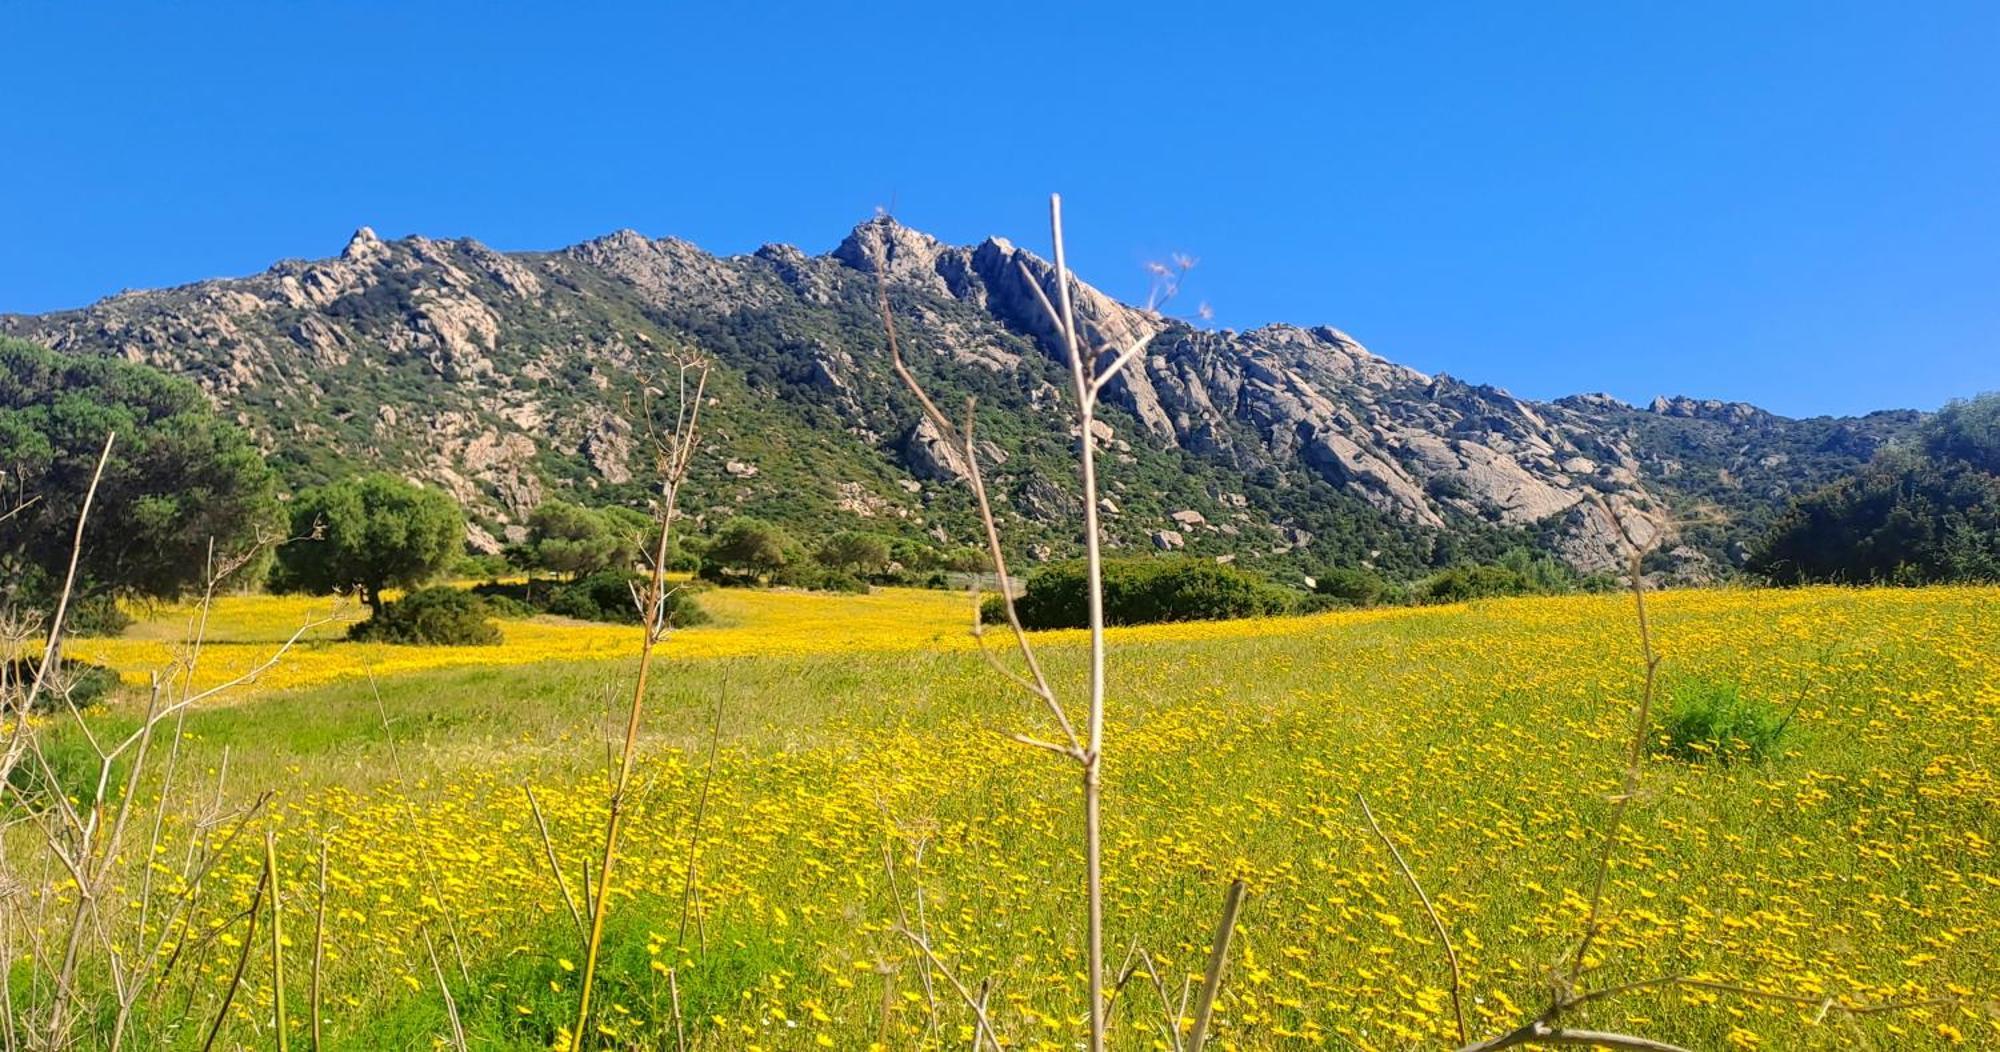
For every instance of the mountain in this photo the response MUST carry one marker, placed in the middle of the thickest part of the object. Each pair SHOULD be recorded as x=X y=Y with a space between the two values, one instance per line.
x=508 y=378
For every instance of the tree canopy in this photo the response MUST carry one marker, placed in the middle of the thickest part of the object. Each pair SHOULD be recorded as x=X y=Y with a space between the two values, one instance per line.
x=576 y=541
x=1926 y=513
x=372 y=531
x=751 y=546
x=178 y=480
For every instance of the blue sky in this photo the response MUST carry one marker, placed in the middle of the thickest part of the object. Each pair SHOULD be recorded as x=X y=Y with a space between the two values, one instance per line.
x=1787 y=203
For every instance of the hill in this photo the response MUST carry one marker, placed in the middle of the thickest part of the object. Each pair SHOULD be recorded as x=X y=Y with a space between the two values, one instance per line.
x=507 y=378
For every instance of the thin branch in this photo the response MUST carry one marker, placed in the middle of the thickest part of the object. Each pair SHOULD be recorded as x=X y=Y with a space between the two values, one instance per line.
x=1451 y=955
x=555 y=867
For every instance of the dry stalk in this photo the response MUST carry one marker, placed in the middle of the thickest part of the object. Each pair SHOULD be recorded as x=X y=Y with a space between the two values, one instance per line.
x=1416 y=886
x=277 y=939
x=690 y=900
x=319 y=948
x=1087 y=384
x=676 y=456
x=242 y=961
x=1218 y=958
x=555 y=867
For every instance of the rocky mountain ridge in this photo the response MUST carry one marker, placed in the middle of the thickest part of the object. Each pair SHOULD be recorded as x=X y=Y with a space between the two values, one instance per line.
x=507 y=377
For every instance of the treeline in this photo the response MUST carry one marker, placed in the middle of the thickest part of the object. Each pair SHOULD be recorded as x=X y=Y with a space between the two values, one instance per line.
x=1151 y=590
x=1922 y=513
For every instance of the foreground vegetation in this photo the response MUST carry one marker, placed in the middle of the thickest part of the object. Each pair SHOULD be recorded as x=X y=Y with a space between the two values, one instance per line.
x=1853 y=863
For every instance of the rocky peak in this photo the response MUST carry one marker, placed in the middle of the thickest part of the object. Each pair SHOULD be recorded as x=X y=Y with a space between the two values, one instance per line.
x=365 y=247
x=899 y=252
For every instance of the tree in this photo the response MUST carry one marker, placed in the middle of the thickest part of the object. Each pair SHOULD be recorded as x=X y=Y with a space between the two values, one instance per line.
x=371 y=532
x=854 y=551
x=179 y=482
x=576 y=541
x=1927 y=513
x=750 y=546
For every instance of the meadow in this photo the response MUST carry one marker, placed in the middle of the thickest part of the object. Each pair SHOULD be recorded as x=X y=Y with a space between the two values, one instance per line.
x=831 y=769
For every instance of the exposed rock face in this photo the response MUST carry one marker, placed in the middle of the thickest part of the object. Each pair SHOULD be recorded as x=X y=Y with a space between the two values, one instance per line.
x=477 y=370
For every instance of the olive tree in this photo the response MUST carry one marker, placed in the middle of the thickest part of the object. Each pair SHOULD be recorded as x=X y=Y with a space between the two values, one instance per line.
x=370 y=532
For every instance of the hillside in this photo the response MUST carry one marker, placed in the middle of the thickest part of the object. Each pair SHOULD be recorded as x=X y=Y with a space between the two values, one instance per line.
x=510 y=377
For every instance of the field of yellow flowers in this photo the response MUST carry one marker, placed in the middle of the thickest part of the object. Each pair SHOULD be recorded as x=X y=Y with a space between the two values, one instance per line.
x=861 y=783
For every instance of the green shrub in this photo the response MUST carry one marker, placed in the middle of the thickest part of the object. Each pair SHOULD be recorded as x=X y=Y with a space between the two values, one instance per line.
x=1148 y=591
x=1351 y=585
x=1462 y=583
x=440 y=616
x=84 y=684
x=96 y=615
x=607 y=596
x=72 y=770
x=603 y=596
x=1711 y=721
x=819 y=578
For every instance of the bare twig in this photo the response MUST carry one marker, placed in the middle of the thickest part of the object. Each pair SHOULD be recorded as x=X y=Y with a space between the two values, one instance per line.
x=1451 y=955
x=555 y=867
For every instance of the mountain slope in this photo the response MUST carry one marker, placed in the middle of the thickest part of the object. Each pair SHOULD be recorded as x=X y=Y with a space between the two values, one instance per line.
x=510 y=377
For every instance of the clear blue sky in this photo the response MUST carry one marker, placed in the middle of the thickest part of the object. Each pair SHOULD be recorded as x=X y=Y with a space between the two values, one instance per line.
x=1788 y=203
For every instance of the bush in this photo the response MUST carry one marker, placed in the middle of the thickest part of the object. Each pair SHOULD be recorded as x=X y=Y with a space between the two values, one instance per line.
x=1711 y=721
x=440 y=616
x=603 y=596
x=607 y=596
x=481 y=566
x=96 y=615
x=819 y=578
x=1462 y=583
x=1148 y=591
x=85 y=684
x=1351 y=585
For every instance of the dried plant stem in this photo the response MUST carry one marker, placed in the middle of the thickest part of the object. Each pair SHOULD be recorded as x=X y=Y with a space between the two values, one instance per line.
x=690 y=900
x=555 y=866
x=242 y=962
x=319 y=948
x=1642 y=724
x=982 y=1024
x=1218 y=958
x=675 y=460
x=1087 y=384
x=444 y=990
x=1410 y=878
x=277 y=940
x=1093 y=757
x=1541 y=1033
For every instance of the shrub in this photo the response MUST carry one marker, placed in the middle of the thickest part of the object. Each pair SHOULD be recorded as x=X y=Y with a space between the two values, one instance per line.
x=1462 y=583
x=1147 y=591
x=607 y=596
x=440 y=616
x=96 y=615
x=85 y=684
x=603 y=596
x=1711 y=721
x=1351 y=585
x=819 y=578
